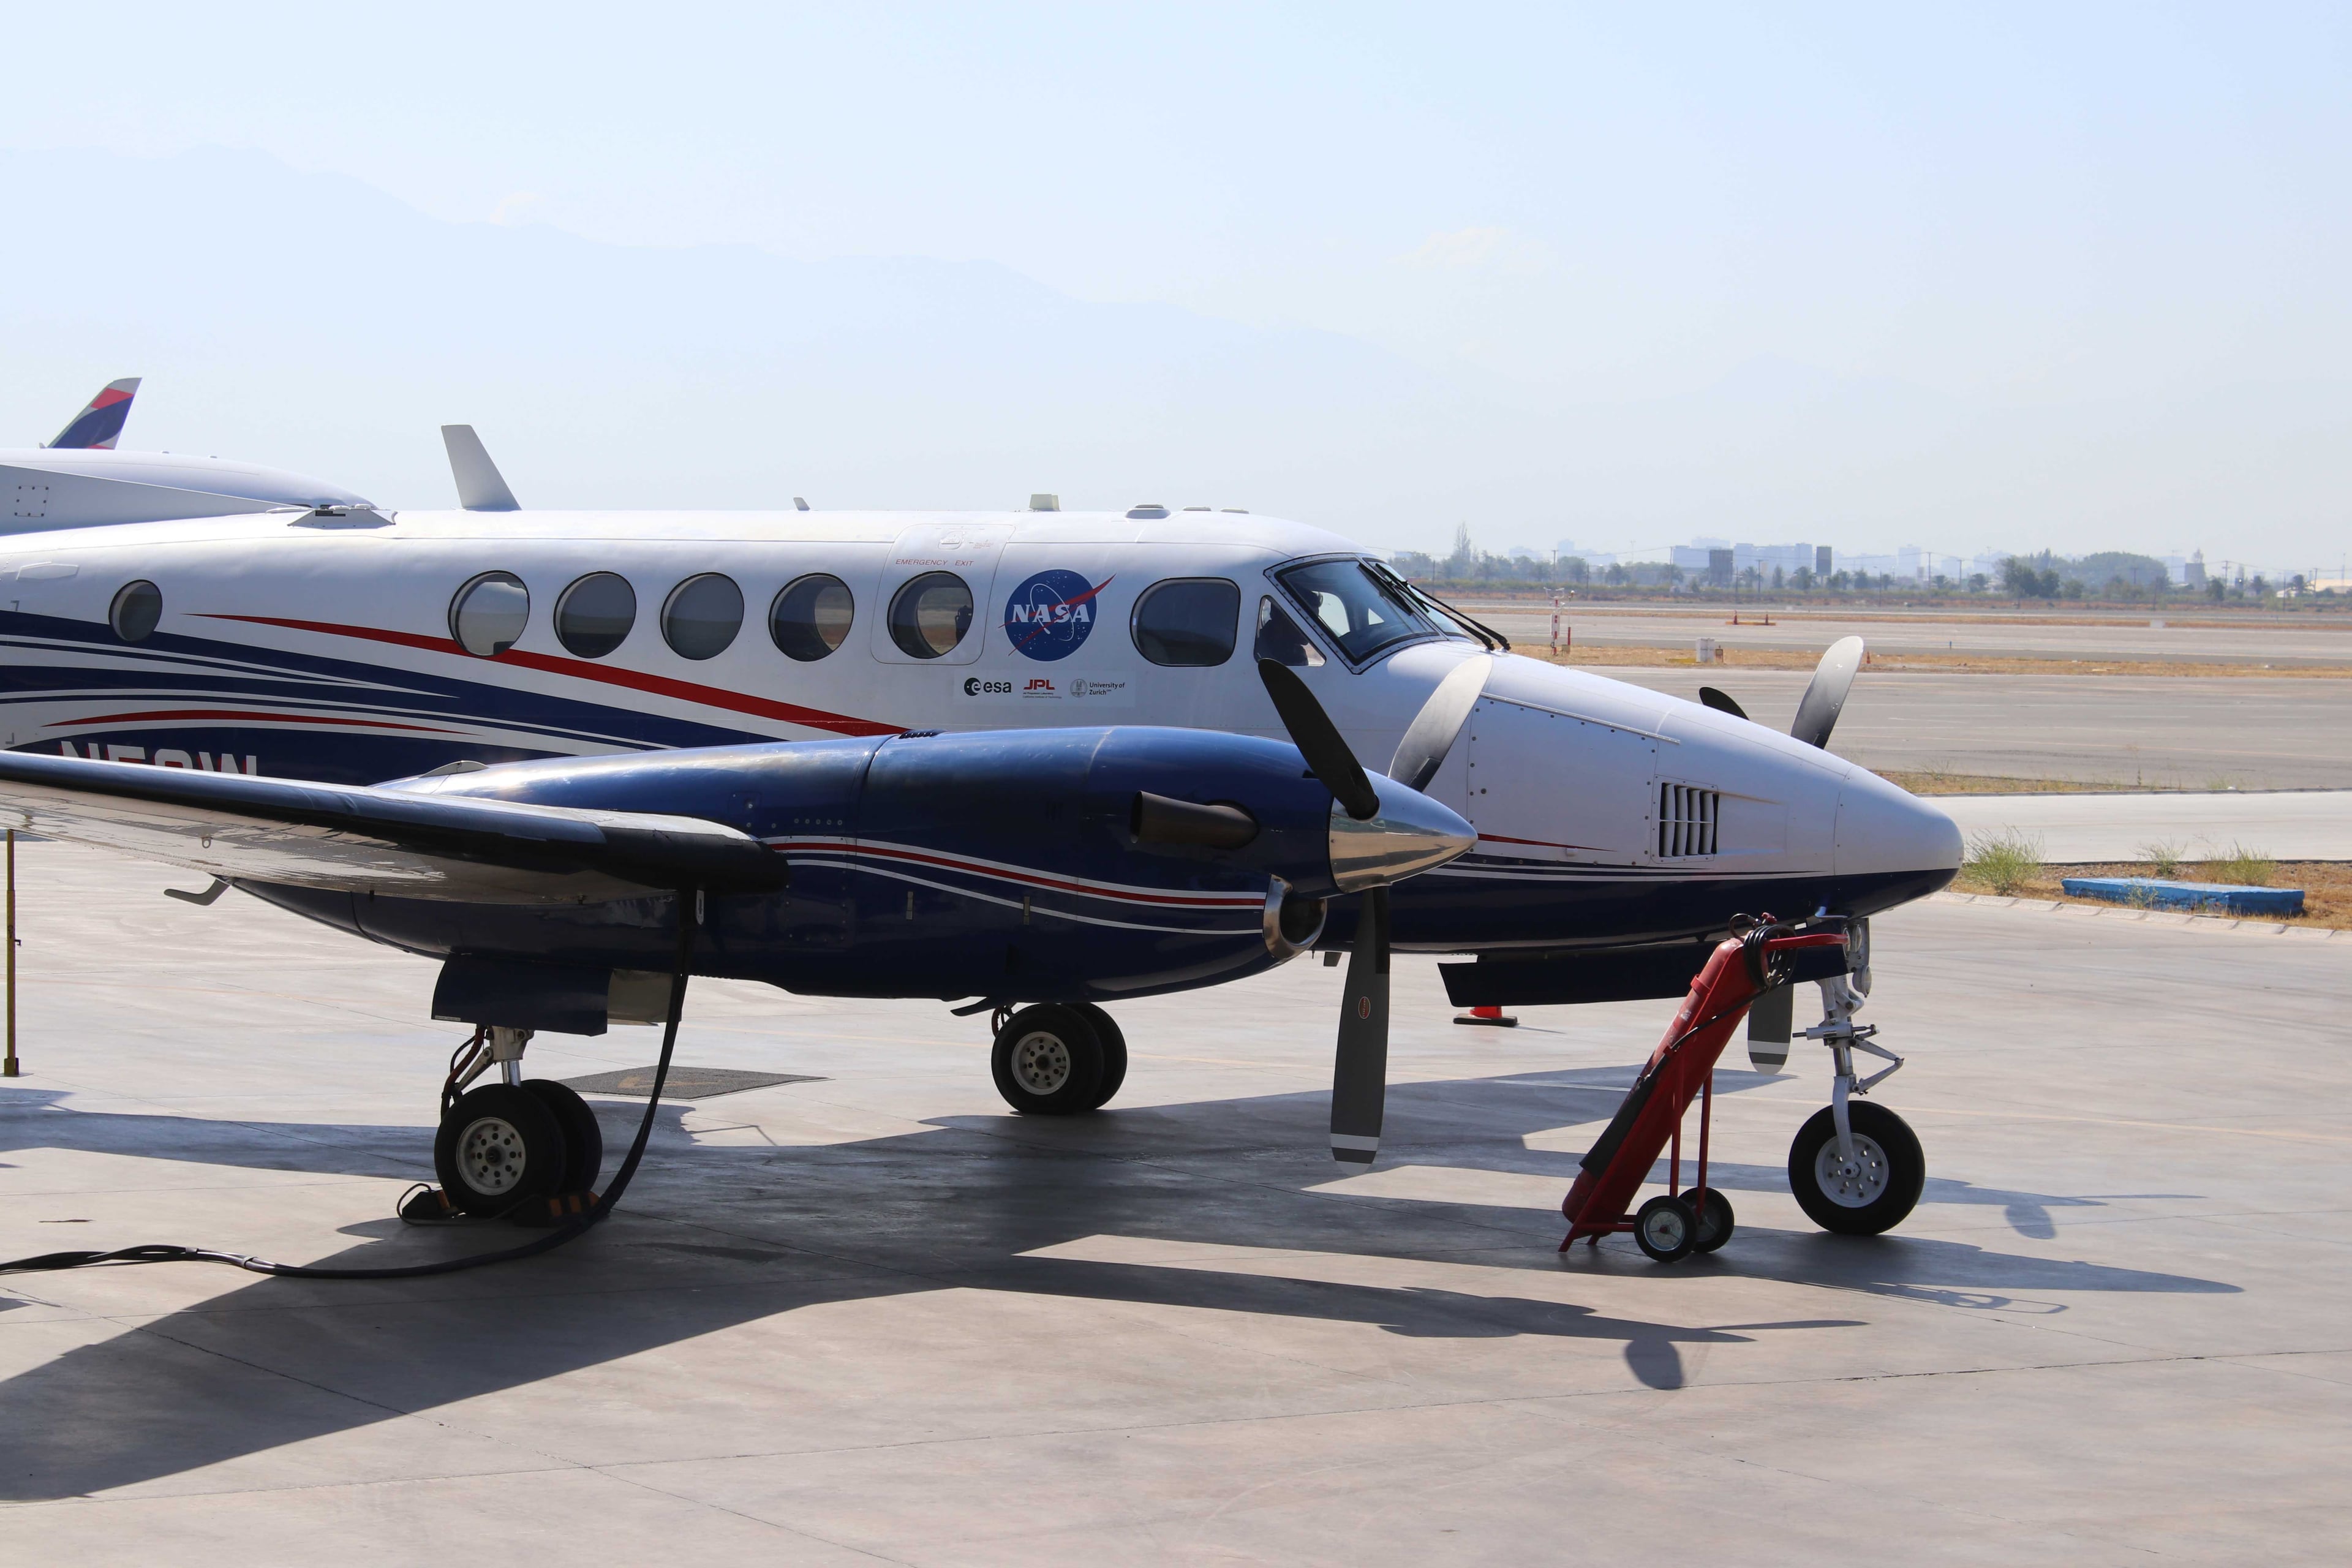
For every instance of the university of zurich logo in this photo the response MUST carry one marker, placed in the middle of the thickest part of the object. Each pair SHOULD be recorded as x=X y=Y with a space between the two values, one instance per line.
x=1049 y=616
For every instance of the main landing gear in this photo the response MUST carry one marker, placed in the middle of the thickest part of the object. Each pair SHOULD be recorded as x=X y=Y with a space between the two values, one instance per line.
x=525 y=1147
x=1057 y=1059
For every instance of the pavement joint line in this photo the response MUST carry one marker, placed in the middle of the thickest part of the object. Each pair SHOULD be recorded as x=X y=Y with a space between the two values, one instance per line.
x=2122 y=1121
x=1566 y=1396
x=778 y=1525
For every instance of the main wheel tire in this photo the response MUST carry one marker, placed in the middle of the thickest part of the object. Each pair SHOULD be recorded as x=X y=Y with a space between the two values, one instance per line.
x=498 y=1147
x=1715 y=1221
x=1665 y=1228
x=1048 y=1061
x=1869 y=1193
x=1114 y=1045
x=583 y=1140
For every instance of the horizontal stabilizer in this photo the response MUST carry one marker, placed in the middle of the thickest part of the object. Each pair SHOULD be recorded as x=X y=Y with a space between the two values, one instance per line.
x=480 y=486
x=397 y=842
x=100 y=423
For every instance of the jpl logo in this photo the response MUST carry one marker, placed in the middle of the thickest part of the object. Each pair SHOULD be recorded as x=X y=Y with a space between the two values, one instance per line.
x=1040 y=687
x=1050 y=615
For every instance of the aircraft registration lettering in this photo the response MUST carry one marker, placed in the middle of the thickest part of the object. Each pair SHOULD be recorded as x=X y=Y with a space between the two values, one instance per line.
x=167 y=757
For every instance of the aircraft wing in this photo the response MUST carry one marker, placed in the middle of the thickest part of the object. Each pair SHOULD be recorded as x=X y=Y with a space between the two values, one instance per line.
x=391 y=841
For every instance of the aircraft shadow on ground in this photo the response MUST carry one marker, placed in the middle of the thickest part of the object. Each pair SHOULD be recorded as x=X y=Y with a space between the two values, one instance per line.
x=716 y=1235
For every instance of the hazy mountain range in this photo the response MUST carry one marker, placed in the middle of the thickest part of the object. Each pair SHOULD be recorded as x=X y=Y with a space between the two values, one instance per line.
x=313 y=322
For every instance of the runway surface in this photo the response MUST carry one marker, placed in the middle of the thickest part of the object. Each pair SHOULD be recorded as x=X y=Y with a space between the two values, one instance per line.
x=2185 y=634
x=2080 y=829
x=875 y=1318
x=2170 y=732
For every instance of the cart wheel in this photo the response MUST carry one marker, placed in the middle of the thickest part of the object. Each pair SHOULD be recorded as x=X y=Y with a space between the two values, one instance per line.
x=1665 y=1228
x=1713 y=1211
x=1870 y=1193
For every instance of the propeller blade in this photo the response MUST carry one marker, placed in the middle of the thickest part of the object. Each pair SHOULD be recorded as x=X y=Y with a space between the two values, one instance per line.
x=1439 y=723
x=1359 y=1068
x=1317 y=739
x=1817 y=715
x=1771 y=1019
x=1721 y=701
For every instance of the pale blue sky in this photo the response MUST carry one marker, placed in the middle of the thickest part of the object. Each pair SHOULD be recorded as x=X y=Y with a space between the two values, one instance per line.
x=2125 y=222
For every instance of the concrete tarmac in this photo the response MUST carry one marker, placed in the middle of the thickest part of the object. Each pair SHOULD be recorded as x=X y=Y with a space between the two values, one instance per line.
x=877 y=1319
x=2184 y=634
x=2080 y=829
x=2163 y=731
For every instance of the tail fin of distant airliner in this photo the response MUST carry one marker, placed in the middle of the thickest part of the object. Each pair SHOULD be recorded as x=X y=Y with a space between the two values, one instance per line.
x=101 y=421
x=481 y=486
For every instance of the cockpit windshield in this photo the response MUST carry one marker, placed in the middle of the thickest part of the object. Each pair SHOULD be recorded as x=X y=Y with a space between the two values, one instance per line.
x=1363 y=613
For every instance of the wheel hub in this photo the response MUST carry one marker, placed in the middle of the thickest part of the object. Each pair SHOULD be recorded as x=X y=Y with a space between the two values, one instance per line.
x=1852 y=1183
x=490 y=1153
x=1664 y=1229
x=1040 y=1062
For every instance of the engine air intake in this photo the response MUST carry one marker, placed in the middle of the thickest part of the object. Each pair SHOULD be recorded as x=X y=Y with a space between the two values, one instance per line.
x=1686 y=821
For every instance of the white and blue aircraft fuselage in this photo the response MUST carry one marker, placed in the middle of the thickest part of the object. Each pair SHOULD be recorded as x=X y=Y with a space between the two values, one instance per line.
x=1614 y=824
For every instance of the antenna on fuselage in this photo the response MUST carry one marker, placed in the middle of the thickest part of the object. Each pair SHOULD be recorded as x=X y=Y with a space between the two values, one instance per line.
x=481 y=486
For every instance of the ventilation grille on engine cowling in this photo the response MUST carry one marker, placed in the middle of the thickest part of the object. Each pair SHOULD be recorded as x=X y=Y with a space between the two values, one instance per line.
x=1686 y=820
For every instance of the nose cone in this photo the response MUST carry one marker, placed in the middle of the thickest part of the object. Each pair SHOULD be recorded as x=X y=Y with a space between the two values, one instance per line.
x=1882 y=829
x=1411 y=833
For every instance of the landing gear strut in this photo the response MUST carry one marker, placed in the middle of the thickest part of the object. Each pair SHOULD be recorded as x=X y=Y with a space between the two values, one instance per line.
x=1856 y=1168
x=1058 y=1058
x=506 y=1146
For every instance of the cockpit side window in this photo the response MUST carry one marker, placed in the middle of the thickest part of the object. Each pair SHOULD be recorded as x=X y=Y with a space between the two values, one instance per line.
x=1363 y=613
x=1279 y=638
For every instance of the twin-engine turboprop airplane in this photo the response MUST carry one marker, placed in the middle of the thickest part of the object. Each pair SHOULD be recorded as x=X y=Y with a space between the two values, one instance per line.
x=1618 y=832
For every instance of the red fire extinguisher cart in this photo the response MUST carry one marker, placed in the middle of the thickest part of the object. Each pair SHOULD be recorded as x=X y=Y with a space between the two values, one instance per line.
x=1649 y=1120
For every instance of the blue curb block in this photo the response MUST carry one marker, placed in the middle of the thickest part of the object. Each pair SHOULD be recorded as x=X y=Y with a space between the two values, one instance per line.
x=2147 y=892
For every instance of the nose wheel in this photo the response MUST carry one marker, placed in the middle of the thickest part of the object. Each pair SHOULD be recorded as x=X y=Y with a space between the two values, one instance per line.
x=1865 y=1184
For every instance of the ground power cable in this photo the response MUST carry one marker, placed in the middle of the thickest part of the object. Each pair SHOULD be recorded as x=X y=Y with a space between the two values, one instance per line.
x=163 y=1252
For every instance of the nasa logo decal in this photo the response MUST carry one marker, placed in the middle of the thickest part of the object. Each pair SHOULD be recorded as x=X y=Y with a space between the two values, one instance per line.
x=1050 y=615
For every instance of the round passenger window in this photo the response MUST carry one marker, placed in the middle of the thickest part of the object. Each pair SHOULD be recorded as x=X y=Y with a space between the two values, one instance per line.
x=703 y=615
x=489 y=614
x=136 y=609
x=1188 y=622
x=594 y=615
x=930 y=614
x=810 y=617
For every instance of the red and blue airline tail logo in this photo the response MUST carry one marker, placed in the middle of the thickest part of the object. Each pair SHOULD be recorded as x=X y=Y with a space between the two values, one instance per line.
x=101 y=419
x=1050 y=615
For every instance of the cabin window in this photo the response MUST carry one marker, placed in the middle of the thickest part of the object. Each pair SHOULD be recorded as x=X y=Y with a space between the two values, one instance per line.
x=489 y=614
x=702 y=616
x=593 y=615
x=1279 y=638
x=1363 y=613
x=137 y=607
x=1188 y=622
x=810 y=617
x=929 y=615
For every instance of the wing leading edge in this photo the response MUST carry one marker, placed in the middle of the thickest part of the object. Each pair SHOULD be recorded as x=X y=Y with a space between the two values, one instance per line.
x=390 y=841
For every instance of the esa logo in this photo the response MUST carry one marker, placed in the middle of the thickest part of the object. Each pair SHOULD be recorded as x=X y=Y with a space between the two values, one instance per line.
x=1050 y=615
x=976 y=687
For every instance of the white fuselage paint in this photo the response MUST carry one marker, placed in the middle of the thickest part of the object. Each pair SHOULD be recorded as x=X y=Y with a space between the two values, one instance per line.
x=1556 y=766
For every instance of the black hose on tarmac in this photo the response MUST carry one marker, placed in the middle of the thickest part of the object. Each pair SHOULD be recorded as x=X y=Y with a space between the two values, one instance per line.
x=160 y=1252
